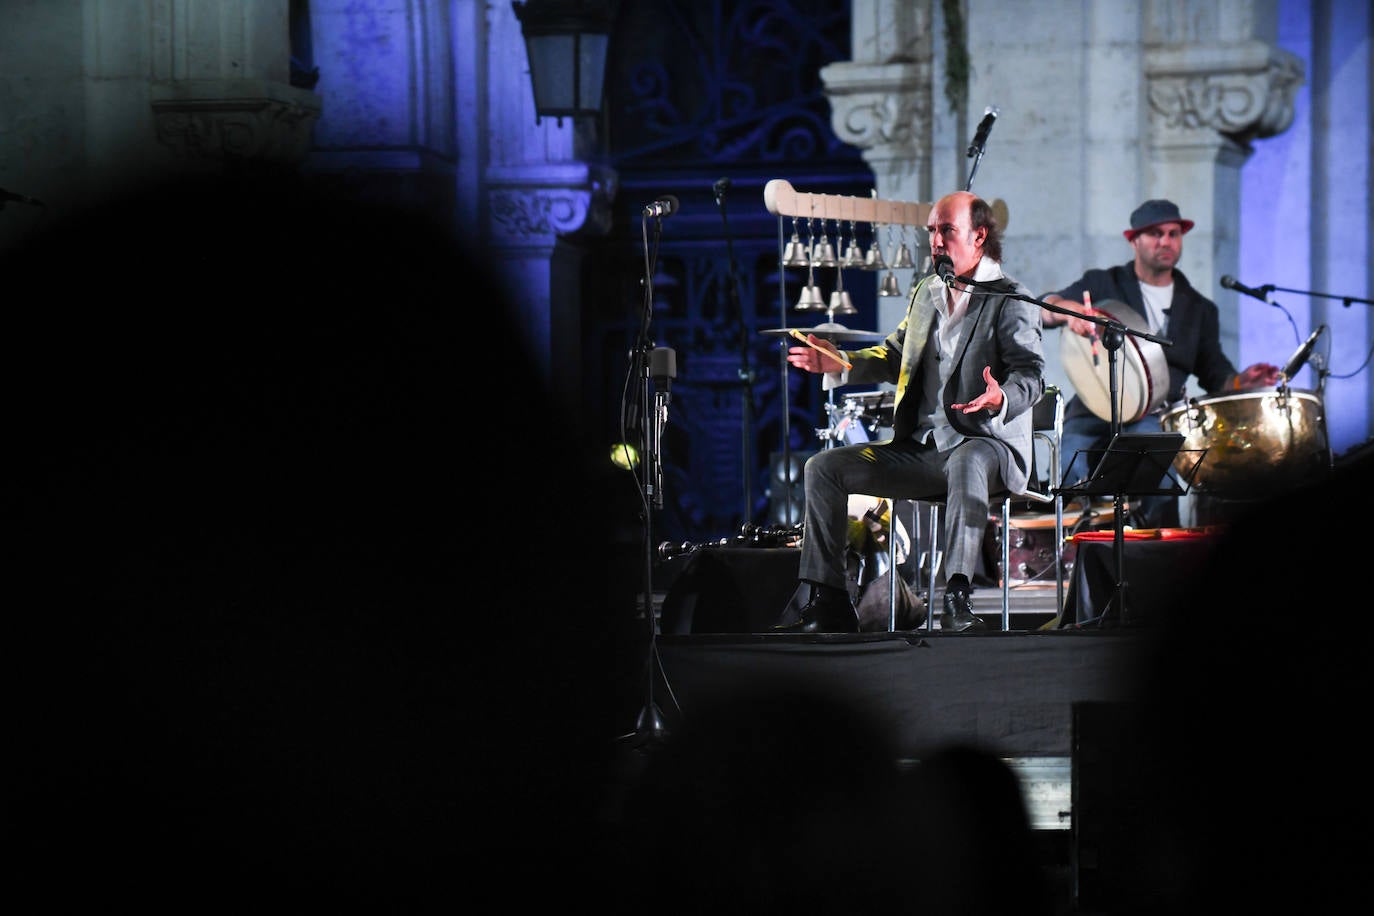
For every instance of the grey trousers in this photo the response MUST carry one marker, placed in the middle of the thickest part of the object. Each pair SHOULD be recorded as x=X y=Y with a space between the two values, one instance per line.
x=964 y=477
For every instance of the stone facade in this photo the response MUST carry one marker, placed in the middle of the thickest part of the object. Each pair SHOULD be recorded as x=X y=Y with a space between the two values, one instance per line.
x=1102 y=104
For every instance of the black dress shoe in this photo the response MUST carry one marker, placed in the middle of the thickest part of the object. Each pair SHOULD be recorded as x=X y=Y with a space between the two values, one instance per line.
x=830 y=610
x=958 y=616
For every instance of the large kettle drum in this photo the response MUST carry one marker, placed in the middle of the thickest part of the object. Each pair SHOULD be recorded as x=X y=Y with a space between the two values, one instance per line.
x=1256 y=441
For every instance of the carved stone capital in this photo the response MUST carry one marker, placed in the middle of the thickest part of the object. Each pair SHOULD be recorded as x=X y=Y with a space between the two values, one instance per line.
x=1241 y=91
x=248 y=120
x=533 y=206
x=883 y=109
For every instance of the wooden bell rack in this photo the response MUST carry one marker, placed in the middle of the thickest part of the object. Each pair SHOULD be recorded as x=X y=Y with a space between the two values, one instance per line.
x=783 y=200
x=780 y=198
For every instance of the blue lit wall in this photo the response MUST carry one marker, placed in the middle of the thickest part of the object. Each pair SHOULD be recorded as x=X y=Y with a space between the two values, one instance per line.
x=1306 y=220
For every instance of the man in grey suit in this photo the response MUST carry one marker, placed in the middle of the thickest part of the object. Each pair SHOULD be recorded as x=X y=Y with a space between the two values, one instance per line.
x=968 y=364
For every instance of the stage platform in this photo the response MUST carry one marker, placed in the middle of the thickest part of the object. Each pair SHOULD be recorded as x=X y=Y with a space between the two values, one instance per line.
x=1130 y=713
x=1012 y=693
x=1050 y=703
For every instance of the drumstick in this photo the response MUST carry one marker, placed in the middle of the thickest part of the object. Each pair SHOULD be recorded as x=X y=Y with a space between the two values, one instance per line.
x=835 y=356
x=1088 y=304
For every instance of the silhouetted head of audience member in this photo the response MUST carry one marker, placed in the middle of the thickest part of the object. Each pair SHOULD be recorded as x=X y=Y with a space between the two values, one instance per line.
x=774 y=799
x=1251 y=777
x=275 y=597
x=792 y=799
x=970 y=843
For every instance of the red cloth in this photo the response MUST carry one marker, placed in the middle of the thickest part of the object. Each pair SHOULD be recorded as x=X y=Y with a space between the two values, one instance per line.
x=1147 y=534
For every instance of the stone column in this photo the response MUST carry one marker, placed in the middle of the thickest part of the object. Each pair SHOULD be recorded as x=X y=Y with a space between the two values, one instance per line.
x=880 y=100
x=881 y=103
x=218 y=85
x=536 y=191
x=1207 y=103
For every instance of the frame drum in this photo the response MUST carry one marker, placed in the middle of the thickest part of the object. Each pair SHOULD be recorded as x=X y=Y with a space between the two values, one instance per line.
x=1144 y=371
x=1257 y=441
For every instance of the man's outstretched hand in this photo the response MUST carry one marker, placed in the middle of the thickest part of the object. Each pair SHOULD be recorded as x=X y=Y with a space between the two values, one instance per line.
x=988 y=400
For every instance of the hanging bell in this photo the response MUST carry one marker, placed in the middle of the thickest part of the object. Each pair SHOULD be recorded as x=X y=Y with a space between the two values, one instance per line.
x=810 y=299
x=841 y=304
x=873 y=260
x=795 y=254
x=901 y=258
x=890 y=286
x=853 y=254
x=824 y=255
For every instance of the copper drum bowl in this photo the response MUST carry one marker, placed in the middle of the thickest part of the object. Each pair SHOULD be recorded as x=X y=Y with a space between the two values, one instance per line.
x=1256 y=441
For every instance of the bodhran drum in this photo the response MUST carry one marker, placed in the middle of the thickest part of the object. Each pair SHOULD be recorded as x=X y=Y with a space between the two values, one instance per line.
x=1256 y=441
x=1144 y=372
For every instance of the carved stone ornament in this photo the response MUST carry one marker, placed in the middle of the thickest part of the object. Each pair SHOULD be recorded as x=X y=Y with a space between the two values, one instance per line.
x=537 y=216
x=532 y=206
x=249 y=120
x=1243 y=91
x=879 y=106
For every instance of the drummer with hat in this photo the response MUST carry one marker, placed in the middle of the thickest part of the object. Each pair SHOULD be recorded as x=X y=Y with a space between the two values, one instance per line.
x=1157 y=290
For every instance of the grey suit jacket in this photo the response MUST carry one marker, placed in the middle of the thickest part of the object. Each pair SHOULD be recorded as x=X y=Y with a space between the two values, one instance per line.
x=1000 y=332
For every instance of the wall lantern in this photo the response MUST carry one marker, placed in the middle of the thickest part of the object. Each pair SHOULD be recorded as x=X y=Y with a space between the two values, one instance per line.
x=566 y=41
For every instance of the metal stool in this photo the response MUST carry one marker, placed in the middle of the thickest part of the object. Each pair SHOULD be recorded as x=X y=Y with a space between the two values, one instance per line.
x=1048 y=427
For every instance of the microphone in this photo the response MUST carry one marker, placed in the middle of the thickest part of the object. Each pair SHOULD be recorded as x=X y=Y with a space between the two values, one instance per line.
x=1295 y=362
x=1262 y=294
x=720 y=187
x=6 y=196
x=664 y=206
x=984 y=128
x=944 y=267
x=663 y=369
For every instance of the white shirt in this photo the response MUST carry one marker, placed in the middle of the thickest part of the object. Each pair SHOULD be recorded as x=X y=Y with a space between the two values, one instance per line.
x=1157 y=302
x=952 y=306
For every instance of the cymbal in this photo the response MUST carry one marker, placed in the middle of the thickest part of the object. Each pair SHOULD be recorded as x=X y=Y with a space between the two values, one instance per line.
x=829 y=330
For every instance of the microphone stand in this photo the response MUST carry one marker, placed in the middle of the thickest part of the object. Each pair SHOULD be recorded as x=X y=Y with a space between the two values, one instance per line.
x=649 y=724
x=1263 y=294
x=975 y=151
x=746 y=374
x=1345 y=300
x=1113 y=336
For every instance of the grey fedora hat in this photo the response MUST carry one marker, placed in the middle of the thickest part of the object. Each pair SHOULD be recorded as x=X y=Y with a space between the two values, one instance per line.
x=1152 y=213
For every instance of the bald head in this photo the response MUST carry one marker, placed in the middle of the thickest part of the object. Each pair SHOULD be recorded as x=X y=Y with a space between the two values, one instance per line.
x=962 y=226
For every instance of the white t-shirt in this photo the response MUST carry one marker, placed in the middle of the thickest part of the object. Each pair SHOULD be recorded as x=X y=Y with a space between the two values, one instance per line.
x=1157 y=302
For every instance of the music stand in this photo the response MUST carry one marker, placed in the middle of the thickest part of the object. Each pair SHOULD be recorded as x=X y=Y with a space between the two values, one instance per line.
x=1138 y=464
